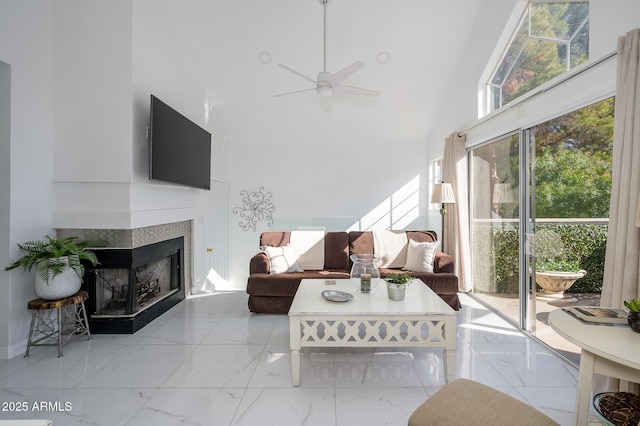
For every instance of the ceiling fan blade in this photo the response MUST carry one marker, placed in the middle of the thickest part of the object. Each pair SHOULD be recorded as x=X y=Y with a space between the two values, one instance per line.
x=293 y=93
x=298 y=73
x=326 y=81
x=341 y=75
x=343 y=88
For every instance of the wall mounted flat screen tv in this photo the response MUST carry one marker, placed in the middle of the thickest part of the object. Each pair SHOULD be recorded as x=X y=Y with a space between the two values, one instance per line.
x=180 y=150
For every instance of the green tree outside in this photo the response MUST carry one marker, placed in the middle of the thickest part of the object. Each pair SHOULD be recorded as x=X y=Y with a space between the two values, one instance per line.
x=538 y=51
x=573 y=163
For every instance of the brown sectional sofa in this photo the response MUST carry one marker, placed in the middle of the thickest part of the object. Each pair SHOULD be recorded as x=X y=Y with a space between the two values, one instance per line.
x=273 y=293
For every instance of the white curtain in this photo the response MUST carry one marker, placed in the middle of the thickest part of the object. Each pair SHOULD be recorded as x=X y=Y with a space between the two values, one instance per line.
x=455 y=234
x=622 y=262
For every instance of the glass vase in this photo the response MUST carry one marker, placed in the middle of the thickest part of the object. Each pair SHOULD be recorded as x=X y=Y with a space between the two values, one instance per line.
x=364 y=273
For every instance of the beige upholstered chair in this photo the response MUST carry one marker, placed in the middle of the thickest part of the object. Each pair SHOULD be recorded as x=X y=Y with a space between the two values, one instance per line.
x=464 y=402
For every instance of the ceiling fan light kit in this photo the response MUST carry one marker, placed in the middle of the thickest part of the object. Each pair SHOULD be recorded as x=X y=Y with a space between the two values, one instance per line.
x=324 y=91
x=327 y=82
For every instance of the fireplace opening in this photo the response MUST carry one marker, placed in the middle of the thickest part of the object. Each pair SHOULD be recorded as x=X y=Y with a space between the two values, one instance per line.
x=131 y=287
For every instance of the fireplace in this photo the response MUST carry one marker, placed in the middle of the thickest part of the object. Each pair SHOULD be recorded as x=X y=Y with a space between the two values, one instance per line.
x=131 y=287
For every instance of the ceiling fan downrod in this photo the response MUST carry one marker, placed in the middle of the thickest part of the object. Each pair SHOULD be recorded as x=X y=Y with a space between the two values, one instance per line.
x=324 y=4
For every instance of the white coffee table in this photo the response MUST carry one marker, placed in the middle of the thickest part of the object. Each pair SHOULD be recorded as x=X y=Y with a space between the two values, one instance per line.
x=370 y=320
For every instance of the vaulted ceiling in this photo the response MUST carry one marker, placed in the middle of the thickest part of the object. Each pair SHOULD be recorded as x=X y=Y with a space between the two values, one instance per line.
x=411 y=50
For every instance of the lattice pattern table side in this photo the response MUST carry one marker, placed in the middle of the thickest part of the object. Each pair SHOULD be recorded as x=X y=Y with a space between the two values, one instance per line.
x=369 y=332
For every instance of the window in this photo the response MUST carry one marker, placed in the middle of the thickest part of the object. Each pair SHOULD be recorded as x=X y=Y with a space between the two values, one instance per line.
x=550 y=38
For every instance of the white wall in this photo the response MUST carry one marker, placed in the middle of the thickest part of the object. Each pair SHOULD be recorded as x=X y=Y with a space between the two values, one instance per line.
x=168 y=66
x=609 y=21
x=25 y=44
x=93 y=114
x=460 y=111
x=110 y=56
x=104 y=71
x=334 y=178
x=5 y=192
x=76 y=155
x=93 y=84
x=327 y=165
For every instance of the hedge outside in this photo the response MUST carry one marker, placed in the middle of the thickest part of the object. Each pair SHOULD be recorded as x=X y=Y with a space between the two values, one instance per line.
x=584 y=243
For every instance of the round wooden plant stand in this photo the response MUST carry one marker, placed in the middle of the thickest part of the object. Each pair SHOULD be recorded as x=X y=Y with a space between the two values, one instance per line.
x=51 y=319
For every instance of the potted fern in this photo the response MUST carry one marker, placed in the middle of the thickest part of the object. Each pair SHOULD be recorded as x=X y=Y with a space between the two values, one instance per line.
x=58 y=263
x=397 y=285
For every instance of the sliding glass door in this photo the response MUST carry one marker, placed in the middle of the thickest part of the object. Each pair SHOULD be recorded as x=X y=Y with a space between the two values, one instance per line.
x=495 y=223
x=539 y=205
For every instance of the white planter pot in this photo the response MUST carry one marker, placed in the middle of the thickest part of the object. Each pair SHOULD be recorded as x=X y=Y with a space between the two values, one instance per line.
x=62 y=285
x=554 y=283
x=396 y=291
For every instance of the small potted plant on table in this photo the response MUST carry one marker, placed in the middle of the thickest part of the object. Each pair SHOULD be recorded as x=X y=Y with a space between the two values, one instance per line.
x=58 y=263
x=634 y=314
x=397 y=284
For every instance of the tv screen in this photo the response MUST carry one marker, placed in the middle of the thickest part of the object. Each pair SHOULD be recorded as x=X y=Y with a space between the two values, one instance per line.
x=180 y=150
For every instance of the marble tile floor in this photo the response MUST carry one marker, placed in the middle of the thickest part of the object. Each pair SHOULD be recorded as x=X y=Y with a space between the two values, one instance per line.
x=209 y=361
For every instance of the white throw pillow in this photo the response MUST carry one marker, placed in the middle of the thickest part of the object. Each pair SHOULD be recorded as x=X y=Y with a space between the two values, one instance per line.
x=390 y=248
x=420 y=256
x=309 y=245
x=282 y=259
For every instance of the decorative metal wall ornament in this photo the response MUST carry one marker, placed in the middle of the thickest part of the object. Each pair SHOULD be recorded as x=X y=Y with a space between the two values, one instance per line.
x=256 y=207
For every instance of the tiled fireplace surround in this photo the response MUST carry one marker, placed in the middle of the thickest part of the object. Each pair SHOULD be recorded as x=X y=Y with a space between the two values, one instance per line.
x=133 y=238
x=140 y=237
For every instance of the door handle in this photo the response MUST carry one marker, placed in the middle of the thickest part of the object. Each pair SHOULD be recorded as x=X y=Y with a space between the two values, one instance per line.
x=209 y=249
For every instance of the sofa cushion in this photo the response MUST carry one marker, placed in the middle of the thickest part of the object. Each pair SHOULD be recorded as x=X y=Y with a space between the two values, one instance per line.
x=282 y=259
x=423 y=236
x=336 y=247
x=275 y=239
x=336 y=250
x=420 y=256
x=309 y=245
x=360 y=242
x=286 y=284
x=390 y=248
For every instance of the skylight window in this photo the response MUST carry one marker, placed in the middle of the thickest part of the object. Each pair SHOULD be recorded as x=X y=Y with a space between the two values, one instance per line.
x=549 y=39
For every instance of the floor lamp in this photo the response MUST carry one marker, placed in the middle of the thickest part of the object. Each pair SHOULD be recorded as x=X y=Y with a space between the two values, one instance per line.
x=502 y=194
x=443 y=194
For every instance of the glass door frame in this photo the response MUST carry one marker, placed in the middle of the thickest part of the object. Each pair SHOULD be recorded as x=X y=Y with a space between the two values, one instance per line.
x=527 y=295
x=526 y=316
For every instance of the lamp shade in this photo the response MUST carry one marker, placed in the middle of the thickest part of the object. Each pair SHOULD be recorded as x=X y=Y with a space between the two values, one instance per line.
x=443 y=193
x=503 y=193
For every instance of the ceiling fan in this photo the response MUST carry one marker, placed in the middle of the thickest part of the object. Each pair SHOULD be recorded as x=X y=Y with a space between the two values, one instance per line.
x=327 y=83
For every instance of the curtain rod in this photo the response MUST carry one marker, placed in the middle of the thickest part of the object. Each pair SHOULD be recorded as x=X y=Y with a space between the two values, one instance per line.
x=541 y=89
